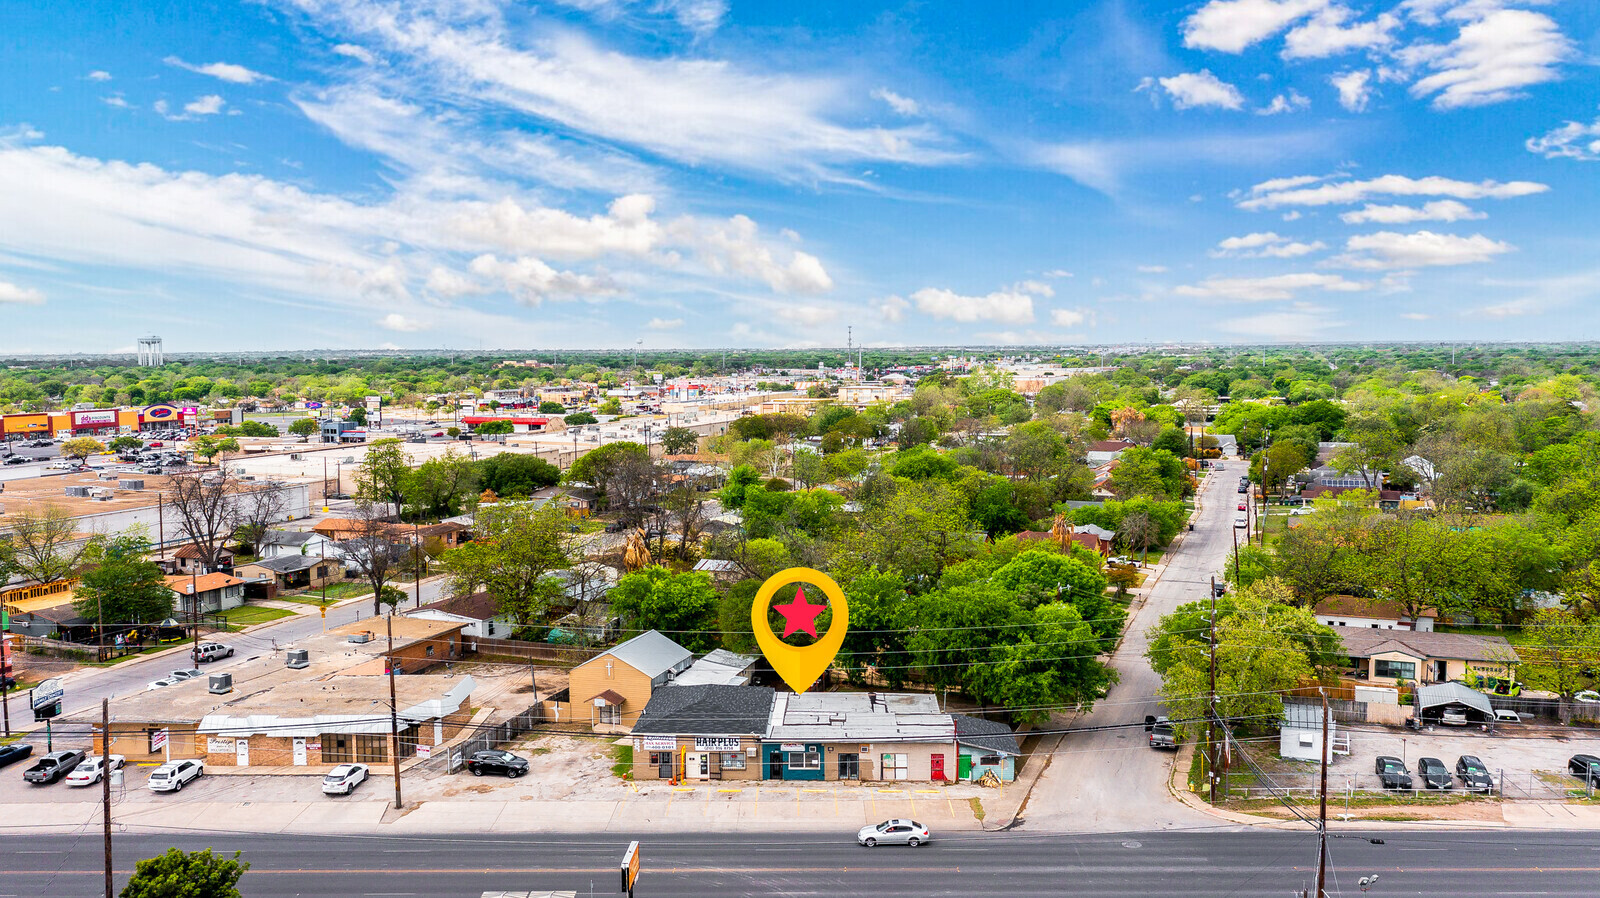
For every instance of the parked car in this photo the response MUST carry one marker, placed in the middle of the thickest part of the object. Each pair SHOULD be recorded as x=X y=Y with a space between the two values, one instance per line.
x=17 y=459
x=1392 y=773
x=1474 y=775
x=173 y=775
x=894 y=832
x=1454 y=717
x=1162 y=735
x=1243 y=488
x=93 y=770
x=1588 y=697
x=52 y=767
x=1585 y=767
x=1240 y=521
x=497 y=761
x=16 y=751
x=1434 y=774
x=211 y=651
x=1506 y=715
x=344 y=779
x=181 y=675
x=1242 y=507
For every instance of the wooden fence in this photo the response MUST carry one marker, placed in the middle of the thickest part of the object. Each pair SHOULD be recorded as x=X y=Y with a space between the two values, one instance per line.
x=532 y=651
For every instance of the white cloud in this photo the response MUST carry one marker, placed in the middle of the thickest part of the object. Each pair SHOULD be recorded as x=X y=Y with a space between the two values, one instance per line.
x=397 y=322
x=99 y=75
x=891 y=308
x=1265 y=289
x=735 y=246
x=1264 y=245
x=1233 y=25
x=806 y=315
x=1293 y=101
x=449 y=284
x=210 y=104
x=1355 y=89
x=533 y=281
x=1012 y=306
x=1492 y=59
x=1514 y=308
x=664 y=324
x=11 y=293
x=1574 y=140
x=1058 y=273
x=1037 y=288
x=1201 y=89
x=1152 y=269
x=116 y=100
x=1388 y=249
x=223 y=71
x=1328 y=34
x=902 y=105
x=356 y=52
x=1069 y=317
x=1277 y=184
x=627 y=227
x=1271 y=195
x=1292 y=215
x=1438 y=210
x=1416 y=316
x=1303 y=321
x=699 y=16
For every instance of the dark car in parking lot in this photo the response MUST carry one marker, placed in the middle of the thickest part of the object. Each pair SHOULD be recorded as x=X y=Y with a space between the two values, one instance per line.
x=497 y=762
x=16 y=751
x=1585 y=767
x=1434 y=774
x=1474 y=774
x=1392 y=773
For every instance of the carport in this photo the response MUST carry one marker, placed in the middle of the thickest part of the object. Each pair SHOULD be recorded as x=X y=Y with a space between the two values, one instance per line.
x=1434 y=700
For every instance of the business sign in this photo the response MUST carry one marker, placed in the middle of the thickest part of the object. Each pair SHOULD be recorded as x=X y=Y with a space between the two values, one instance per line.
x=313 y=405
x=716 y=743
x=313 y=745
x=47 y=693
x=630 y=867
x=161 y=413
x=794 y=746
x=158 y=740
x=219 y=746
x=86 y=419
x=424 y=751
x=658 y=743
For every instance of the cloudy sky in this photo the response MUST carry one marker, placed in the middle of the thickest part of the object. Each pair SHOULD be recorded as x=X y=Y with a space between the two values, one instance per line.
x=704 y=173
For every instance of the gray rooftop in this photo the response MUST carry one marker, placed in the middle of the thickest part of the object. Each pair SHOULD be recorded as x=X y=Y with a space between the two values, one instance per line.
x=859 y=717
x=986 y=734
x=652 y=654
x=287 y=564
x=720 y=667
x=707 y=710
x=1364 y=642
x=287 y=537
x=1437 y=694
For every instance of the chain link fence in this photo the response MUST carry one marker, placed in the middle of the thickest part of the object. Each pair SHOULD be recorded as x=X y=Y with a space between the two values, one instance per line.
x=453 y=757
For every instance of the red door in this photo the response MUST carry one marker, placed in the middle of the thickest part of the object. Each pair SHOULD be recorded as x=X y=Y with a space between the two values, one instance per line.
x=937 y=763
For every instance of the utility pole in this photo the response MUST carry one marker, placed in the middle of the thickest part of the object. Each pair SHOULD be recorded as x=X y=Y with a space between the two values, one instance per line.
x=105 y=784
x=416 y=560
x=194 y=608
x=1211 y=699
x=1236 y=581
x=1322 y=814
x=394 y=715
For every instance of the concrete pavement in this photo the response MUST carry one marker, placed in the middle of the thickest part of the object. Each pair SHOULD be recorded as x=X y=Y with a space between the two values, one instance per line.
x=1106 y=778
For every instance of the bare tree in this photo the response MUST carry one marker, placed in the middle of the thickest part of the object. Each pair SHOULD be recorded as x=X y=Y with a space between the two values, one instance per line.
x=371 y=552
x=1138 y=530
x=207 y=511
x=41 y=545
x=257 y=511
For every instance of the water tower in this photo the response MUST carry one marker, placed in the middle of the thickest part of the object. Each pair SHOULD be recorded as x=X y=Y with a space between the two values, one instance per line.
x=150 y=352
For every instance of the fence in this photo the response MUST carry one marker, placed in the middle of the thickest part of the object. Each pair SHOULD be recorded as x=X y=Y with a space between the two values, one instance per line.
x=1345 y=787
x=482 y=738
x=532 y=651
x=1547 y=708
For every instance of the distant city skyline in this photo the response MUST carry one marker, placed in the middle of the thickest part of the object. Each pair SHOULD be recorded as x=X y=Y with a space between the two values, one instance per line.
x=701 y=174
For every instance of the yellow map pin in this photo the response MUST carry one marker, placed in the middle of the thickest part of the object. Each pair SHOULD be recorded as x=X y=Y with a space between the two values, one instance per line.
x=800 y=665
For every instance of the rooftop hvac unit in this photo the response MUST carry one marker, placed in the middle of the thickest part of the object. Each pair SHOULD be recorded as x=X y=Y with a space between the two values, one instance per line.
x=130 y=484
x=359 y=638
x=78 y=491
x=298 y=659
x=99 y=492
x=107 y=475
x=221 y=683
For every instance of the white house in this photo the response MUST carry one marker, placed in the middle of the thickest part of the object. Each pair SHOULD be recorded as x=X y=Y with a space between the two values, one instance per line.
x=278 y=543
x=1300 y=732
x=479 y=611
x=1372 y=614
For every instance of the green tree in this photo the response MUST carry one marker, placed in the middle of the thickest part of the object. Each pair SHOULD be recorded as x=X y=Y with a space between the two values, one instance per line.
x=305 y=427
x=1173 y=440
x=209 y=447
x=1556 y=650
x=682 y=604
x=921 y=463
x=494 y=428
x=679 y=440
x=515 y=549
x=437 y=487
x=738 y=484
x=186 y=874
x=514 y=475
x=580 y=418
x=1036 y=450
x=124 y=443
x=1155 y=473
x=384 y=474
x=359 y=416
x=1037 y=577
x=552 y=408
x=621 y=473
x=611 y=407
x=81 y=448
x=122 y=585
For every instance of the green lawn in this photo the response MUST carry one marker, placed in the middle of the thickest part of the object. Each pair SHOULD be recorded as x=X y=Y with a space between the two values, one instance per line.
x=314 y=598
x=624 y=763
x=343 y=591
x=249 y=615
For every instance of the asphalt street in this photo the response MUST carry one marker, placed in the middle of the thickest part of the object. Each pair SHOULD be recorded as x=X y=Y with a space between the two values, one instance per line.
x=1419 y=862
x=1105 y=777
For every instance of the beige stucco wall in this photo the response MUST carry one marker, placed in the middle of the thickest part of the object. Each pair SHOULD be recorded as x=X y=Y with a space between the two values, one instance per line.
x=684 y=758
x=919 y=760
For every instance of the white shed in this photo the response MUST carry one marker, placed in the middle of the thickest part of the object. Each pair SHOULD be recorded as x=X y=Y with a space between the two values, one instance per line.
x=1300 y=732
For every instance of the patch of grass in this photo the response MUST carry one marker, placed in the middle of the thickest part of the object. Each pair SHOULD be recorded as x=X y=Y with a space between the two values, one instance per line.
x=347 y=590
x=308 y=599
x=977 y=807
x=248 y=615
x=623 y=766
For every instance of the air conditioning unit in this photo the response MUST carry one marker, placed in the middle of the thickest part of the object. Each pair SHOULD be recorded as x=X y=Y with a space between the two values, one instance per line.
x=221 y=683
x=80 y=492
x=130 y=484
x=359 y=638
x=297 y=659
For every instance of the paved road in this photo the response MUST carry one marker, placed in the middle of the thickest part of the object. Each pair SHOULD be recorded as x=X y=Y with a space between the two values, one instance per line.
x=1014 y=865
x=1107 y=779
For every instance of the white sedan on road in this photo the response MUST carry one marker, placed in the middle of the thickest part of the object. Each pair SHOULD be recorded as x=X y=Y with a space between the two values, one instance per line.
x=344 y=779
x=92 y=770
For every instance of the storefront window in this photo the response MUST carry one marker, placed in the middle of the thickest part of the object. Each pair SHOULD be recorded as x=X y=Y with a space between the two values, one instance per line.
x=732 y=760
x=803 y=760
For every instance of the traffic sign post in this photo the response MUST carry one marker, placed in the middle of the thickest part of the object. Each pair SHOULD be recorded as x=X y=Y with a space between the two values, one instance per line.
x=630 y=868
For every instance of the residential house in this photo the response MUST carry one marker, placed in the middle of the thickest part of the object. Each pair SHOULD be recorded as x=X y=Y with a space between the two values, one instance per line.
x=1102 y=451
x=984 y=746
x=720 y=569
x=339 y=529
x=617 y=684
x=278 y=543
x=1389 y=500
x=858 y=735
x=1062 y=533
x=702 y=732
x=187 y=560
x=271 y=576
x=1425 y=657
x=1372 y=613
x=479 y=614
x=205 y=593
x=450 y=533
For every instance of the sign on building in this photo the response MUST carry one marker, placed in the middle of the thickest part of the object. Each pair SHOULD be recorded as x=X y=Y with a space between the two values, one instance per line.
x=158 y=741
x=716 y=743
x=658 y=743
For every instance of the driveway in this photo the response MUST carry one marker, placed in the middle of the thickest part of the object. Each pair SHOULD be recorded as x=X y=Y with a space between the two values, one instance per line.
x=1104 y=777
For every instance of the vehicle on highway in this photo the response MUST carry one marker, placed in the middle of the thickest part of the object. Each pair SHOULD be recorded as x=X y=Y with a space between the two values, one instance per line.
x=497 y=761
x=211 y=651
x=60 y=466
x=1585 y=767
x=1454 y=717
x=344 y=779
x=173 y=775
x=1474 y=775
x=18 y=460
x=1392 y=773
x=894 y=832
x=14 y=752
x=1243 y=488
x=93 y=769
x=52 y=767
x=1434 y=774
x=1162 y=734
x=1242 y=506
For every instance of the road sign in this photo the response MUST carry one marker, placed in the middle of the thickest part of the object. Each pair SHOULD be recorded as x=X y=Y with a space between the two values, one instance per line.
x=324 y=612
x=313 y=405
x=630 y=867
x=48 y=693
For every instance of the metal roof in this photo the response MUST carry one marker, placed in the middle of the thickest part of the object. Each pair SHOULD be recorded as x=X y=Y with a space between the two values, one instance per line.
x=1437 y=694
x=1308 y=717
x=651 y=654
x=858 y=717
x=376 y=721
x=718 y=667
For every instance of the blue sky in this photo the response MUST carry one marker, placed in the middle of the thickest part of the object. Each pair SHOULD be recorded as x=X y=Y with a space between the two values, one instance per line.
x=287 y=174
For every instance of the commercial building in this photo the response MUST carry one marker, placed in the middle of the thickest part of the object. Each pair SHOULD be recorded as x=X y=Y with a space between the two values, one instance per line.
x=703 y=732
x=985 y=746
x=858 y=735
